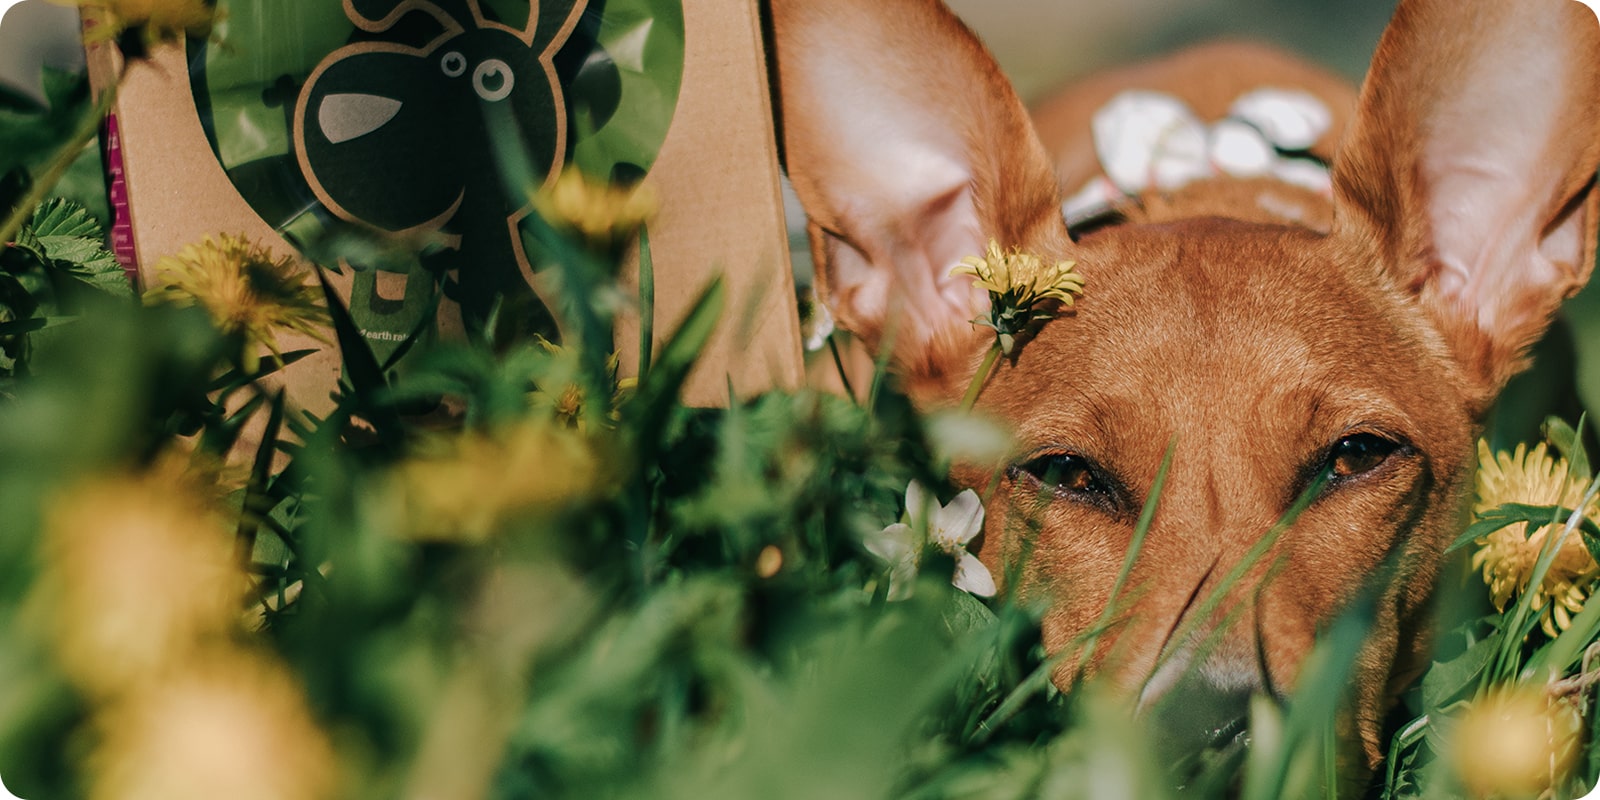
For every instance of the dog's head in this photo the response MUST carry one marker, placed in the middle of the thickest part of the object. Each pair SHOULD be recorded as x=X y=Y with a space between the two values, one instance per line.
x=1266 y=355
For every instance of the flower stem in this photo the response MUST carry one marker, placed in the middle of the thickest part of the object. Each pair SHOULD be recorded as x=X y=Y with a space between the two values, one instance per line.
x=88 y=128
x=980 y=377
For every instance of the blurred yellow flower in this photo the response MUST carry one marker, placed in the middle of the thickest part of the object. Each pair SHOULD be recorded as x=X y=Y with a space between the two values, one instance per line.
x=227 y=724
x=564 y=397
x=160 y=20
x=1019 y=283
x=601 y=213
x=1515 y=742
x=1508 y=555
x=471 y=484
x=247 y=292
x=138 y=569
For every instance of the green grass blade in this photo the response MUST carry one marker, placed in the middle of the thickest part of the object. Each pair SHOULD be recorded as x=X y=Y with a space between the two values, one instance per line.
x=258 y=500
x=1568 y=648
x=647 y=301
x=361 y=366
x=1141 y=528
x=1252 y=557
x=1324 y=680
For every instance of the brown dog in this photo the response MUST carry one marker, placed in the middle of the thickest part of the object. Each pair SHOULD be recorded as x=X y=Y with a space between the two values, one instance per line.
x=1269 y=330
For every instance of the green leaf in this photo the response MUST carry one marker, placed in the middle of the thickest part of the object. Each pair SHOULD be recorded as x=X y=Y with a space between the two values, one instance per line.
x=21 y=326
x=71 y=240
x=235 y=378
x=29 y=136
x=658 y=391
x=1445 y=680
x=1509 y=514
x=966 y=614
x=361 y=367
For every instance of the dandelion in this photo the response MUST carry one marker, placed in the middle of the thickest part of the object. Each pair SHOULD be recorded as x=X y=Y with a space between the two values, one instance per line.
x=600 y=213
x=472 y=484
x=949 y=530
x=1019 y=286
x=1022 y=289
x=248 y=293
x=229 y=724
x=1515 y=742
x=157 y=20
x=565 y=399
x=1507 y=556
x=139 y=569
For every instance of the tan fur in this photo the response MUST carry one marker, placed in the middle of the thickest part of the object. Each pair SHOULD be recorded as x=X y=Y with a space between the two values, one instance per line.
x=1252 y=340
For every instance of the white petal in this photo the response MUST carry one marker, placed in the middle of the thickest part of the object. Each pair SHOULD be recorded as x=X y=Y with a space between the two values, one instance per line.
x=894 y=544
x=959 y=522
x=972 y=576
x=917 y=501
x=902 y=579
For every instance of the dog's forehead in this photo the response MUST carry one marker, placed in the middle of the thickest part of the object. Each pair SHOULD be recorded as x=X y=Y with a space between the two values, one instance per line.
x=1218 y=329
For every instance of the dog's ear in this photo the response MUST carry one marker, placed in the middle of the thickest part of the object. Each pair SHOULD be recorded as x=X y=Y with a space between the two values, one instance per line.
x=1471 y=164
x=909 y=150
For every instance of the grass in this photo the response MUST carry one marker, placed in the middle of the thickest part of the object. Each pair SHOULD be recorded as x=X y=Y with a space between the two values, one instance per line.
x=580 y=588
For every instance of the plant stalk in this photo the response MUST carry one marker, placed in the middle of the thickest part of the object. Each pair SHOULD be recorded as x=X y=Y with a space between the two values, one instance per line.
x=981 y=377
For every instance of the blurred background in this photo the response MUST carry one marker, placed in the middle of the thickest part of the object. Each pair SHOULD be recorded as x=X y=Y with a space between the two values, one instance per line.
x=1039 y=42
x=1043 y=42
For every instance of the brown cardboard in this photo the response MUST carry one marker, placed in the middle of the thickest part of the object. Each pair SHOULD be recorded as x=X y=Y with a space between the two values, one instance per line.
x=717 y=177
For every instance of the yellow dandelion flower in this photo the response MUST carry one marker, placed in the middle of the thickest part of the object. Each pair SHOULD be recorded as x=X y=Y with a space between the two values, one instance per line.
x=138 y=570
x=601 y=213
x=1507 y=556
x=565 y=398
x=160 y=20
x=1019 y=285
x=248 y=293
x=472 y=484
x=1515 y=742
x=227 y=724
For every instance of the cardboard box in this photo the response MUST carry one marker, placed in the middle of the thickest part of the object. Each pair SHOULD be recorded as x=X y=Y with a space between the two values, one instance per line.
x=716 y=175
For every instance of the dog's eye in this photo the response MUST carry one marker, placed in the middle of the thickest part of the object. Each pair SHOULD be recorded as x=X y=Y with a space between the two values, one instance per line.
x=1069 y=473
x=1359 y=453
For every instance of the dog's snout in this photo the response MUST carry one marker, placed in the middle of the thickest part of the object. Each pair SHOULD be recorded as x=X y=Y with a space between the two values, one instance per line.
x=1197 y=714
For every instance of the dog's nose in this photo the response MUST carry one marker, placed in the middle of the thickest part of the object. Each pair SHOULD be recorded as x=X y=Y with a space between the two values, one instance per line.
x=1198 y=714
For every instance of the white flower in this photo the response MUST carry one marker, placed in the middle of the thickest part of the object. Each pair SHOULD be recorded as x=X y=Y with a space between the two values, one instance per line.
x=950 y=529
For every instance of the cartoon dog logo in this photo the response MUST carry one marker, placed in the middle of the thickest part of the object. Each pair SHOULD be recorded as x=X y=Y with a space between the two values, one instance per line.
x=408 y=139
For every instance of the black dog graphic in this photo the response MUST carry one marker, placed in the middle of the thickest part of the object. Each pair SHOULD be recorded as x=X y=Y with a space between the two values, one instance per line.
x=408 y=139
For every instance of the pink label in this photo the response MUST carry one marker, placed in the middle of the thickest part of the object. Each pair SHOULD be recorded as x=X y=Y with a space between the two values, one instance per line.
x=122 y=245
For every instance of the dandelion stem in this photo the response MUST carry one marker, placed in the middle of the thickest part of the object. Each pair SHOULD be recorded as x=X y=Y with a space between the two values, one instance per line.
x=981 y=377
